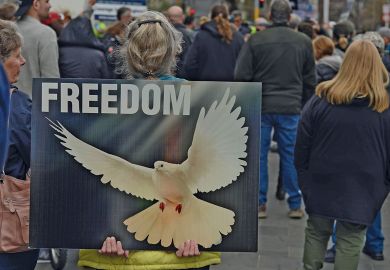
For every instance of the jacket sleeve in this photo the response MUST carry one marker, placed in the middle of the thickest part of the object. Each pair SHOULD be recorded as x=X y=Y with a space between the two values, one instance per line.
x=104 y=69
x=244 y=67
x=48 y=56
x=240 y=43
x=309 y=76
x=304 y=141
x=191 y=60
x=388 y=148
x=20 y=127
x=319 y=77
x=4 y=112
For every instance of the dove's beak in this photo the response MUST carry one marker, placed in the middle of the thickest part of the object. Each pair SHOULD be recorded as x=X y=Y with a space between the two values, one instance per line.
x=157 y=166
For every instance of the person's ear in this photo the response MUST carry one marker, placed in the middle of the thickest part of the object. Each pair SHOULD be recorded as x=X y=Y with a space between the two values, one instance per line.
x=36 y=4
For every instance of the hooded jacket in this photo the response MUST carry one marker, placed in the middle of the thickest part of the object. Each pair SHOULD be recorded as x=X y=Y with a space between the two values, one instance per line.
x=210 y=58
x=82 y=55
x=327 y=67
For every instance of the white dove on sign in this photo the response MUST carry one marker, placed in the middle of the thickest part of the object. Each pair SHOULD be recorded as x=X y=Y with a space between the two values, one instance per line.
x=215 y=160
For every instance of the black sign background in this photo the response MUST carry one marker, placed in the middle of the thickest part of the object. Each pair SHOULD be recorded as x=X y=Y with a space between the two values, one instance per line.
x=71 y=208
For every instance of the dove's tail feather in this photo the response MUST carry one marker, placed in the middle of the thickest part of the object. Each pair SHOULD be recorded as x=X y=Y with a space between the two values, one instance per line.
x=199 y=220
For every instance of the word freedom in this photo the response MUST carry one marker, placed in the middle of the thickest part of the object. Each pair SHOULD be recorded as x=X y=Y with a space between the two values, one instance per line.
x=94 y=98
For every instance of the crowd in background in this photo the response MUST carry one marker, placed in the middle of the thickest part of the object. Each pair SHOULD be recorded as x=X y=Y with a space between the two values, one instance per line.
x=291 y=56
x=85 y=37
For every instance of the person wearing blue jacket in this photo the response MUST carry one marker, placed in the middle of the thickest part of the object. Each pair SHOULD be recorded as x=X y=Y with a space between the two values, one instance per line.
x=374 y=243
x=18 y=147
x=342 y=156
x=4 y=111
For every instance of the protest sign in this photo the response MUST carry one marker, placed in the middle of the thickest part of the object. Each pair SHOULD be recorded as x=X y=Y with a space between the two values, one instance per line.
x=153 y=163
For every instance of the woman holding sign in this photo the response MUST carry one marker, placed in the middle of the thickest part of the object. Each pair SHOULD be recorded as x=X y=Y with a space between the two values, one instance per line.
x=17 y=161
x=149 y=53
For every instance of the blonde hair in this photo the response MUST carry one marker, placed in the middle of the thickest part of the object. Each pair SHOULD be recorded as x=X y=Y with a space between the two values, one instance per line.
x=362 y=74
x=343 y=42
x=151 y=47
x=7 y=11
x=323 y=46
x=203 y=20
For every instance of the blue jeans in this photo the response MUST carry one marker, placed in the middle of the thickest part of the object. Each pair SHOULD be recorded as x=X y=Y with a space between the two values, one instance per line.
x=285 y=127
x=374 y=236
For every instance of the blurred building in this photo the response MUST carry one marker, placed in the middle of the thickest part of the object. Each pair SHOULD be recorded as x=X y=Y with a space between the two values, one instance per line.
x=366 y=14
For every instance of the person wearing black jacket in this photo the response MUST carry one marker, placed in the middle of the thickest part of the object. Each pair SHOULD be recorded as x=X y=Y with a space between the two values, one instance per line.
x=176 y=17
x=374 y=244
x=82 y=55
x=342 y=156
x=283 y=61
x=213 y=55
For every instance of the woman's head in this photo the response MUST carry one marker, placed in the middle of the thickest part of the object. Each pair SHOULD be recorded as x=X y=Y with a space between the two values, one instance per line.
x=219 y=10
x=151 y=47
x=10 y=55
x=219 y=13
x=323 y=46
x=362 y=74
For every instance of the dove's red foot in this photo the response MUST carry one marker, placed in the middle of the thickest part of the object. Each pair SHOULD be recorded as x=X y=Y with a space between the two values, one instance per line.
x=162 y=206
x=178 y=208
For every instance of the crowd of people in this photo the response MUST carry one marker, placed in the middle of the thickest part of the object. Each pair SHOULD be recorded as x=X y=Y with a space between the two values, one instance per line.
x=324 y=101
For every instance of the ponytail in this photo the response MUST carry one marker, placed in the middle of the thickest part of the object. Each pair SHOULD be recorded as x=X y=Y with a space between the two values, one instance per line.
x=343 y=43
x=224 y=29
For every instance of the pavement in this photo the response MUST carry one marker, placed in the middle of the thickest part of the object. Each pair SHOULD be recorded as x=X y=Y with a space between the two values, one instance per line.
x=280 y=240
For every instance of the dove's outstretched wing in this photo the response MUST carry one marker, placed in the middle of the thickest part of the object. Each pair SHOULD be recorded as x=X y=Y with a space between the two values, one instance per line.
x=130 y=178
x=215 y=158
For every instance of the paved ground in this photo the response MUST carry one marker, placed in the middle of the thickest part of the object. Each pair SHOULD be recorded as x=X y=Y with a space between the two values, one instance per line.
x=280 y=241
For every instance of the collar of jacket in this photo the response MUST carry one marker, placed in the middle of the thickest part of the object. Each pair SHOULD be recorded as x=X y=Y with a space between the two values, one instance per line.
x=179 y=25
x=13 y=88
x=279 y=25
